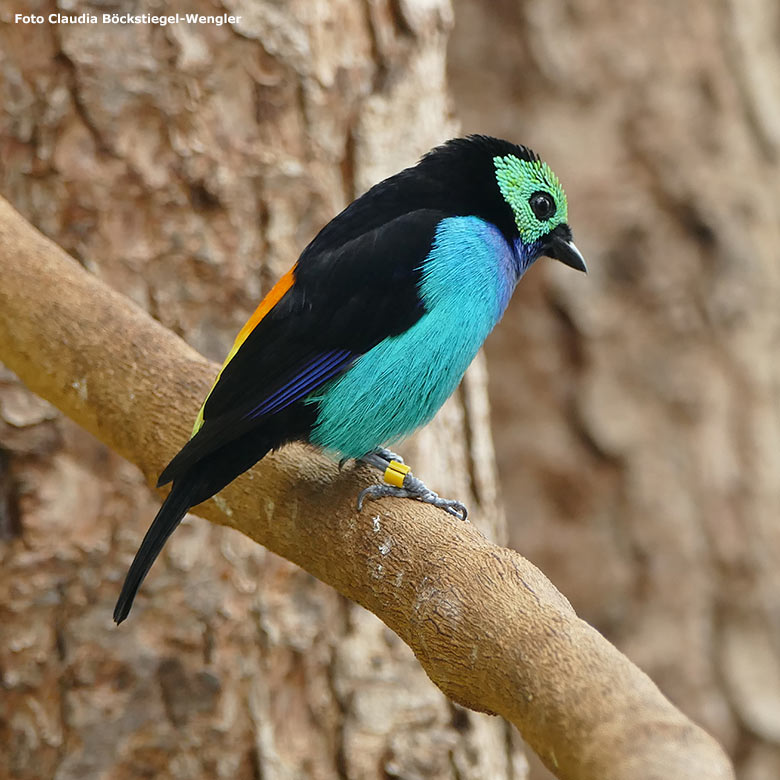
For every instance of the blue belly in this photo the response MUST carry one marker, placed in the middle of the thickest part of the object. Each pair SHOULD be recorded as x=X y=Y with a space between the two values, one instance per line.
x=401 y=383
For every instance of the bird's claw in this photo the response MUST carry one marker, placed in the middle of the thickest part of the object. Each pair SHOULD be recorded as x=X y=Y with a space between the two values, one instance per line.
x=387 y=461
x=416 y=490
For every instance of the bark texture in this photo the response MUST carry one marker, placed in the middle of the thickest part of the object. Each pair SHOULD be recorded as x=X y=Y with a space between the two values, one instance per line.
x=637 y=414
x=186 y=167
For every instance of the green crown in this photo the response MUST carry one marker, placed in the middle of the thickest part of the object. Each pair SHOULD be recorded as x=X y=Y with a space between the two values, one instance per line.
x=518 y=180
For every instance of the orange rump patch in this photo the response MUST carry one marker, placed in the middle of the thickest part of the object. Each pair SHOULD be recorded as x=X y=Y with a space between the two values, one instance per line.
x=271 y=299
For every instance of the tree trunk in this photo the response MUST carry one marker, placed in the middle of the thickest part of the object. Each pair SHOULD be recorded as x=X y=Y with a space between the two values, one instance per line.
x=636 y=410
x=187 y=166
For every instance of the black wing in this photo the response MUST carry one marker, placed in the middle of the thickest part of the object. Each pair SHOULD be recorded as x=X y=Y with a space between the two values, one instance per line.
x=342 y=302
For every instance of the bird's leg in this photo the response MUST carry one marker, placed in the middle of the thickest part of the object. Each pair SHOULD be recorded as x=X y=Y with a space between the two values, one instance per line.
x=381 y=458
x=401 y=483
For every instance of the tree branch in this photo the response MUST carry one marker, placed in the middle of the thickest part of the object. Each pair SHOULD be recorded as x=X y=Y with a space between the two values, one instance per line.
x=489 y=629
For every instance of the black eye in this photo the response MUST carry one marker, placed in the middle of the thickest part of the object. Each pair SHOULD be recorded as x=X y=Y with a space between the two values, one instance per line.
x=542 y=205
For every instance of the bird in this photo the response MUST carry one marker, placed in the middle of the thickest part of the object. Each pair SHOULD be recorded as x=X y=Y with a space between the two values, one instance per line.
x=366 y=336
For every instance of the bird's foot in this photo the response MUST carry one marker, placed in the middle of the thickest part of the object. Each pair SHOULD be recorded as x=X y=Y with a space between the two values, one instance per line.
x=426 y=495
x=401 y=483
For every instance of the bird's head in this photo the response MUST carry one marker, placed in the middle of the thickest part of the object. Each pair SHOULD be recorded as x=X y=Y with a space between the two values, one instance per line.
x=503 y=183
x=538 y=203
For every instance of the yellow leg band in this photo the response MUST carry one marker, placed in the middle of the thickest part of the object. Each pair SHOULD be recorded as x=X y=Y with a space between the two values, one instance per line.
x=395 y=473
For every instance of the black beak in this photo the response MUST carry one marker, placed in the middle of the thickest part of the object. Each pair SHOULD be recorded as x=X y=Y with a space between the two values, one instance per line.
x=561 y=247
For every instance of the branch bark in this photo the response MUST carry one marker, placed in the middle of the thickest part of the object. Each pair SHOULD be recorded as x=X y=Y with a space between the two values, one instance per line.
x=490 y=630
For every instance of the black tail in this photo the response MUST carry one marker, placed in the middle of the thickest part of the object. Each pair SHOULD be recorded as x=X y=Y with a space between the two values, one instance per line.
x=175 y=506
x=191 y=486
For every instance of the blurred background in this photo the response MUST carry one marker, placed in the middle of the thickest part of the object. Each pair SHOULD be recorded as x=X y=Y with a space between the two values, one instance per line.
x=635 y=412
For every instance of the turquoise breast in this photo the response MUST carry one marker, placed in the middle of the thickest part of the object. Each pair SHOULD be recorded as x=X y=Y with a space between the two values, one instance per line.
x=401 y=383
